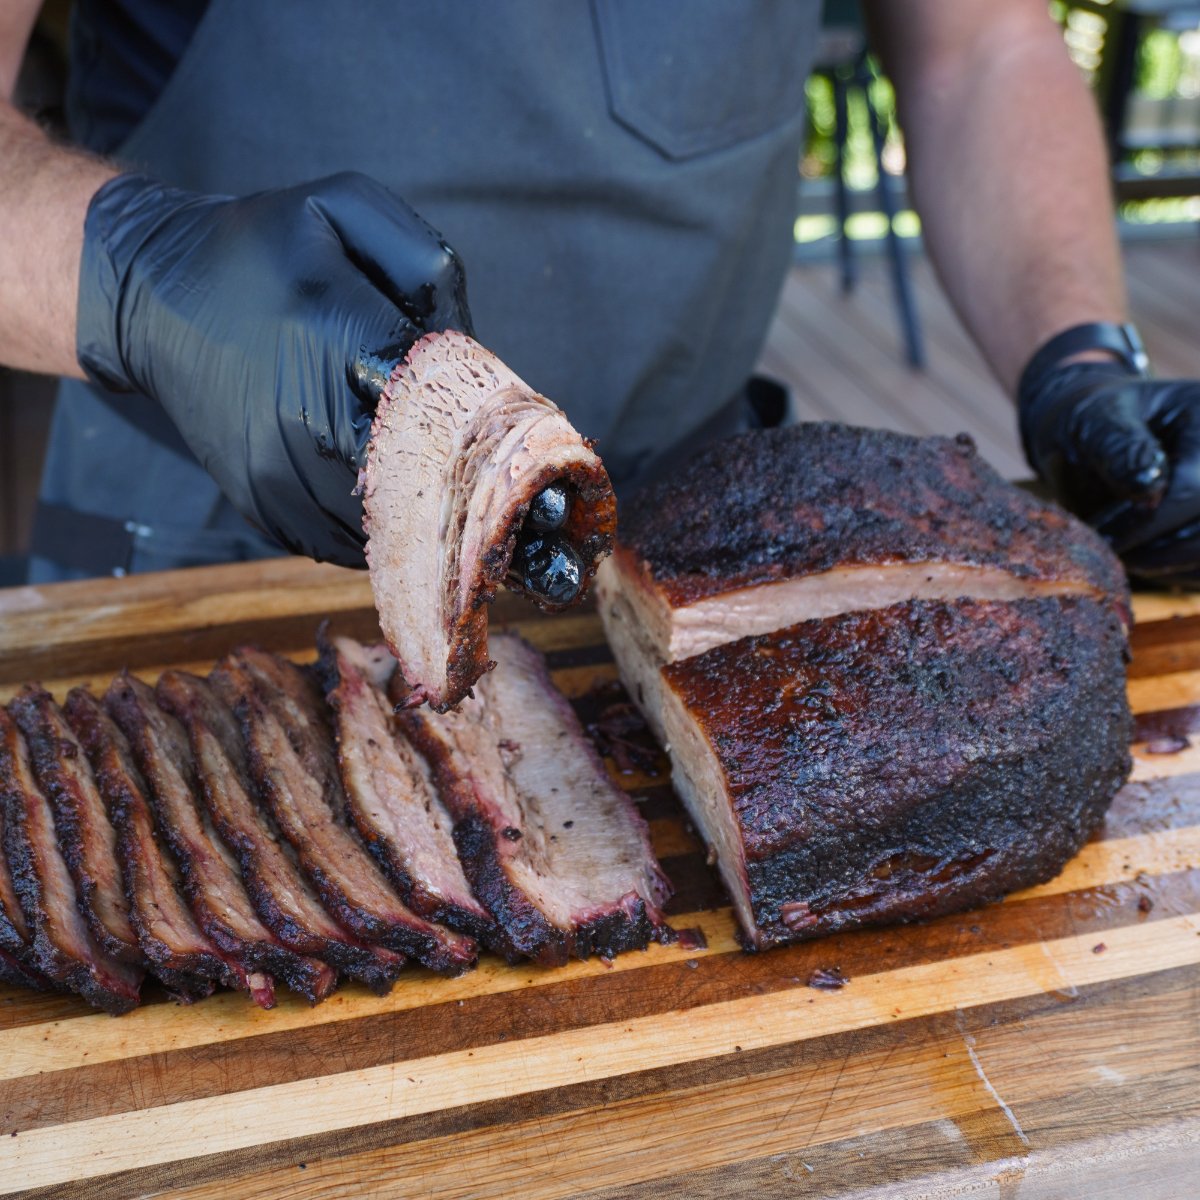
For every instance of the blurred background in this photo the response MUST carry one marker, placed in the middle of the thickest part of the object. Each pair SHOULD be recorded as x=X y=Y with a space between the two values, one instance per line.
x=862 y=333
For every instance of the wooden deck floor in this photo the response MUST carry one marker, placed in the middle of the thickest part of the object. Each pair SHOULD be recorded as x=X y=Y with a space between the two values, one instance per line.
x=843 y=358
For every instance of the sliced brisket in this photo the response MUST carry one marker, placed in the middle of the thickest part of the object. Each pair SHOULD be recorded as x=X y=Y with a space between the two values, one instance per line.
x=290 y=747
x=778 y=526
x=16 y=941
x=390 y=796
x=211 y=877
x=180 y=954
x=85 y=833
x=556 y=852
x=898 y=763
x=282 y=897
x=459 y=448
x=63 y=949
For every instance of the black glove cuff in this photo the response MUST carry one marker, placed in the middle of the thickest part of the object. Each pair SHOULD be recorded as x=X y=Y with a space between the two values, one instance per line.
x=1037 y=387
x=97 y=337
x=1123 y=341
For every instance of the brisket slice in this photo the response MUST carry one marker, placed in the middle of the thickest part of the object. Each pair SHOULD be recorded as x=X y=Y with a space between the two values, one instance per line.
x=778 y=526
x=290 y=749
x=16 y=941
x=63 y=948
x=459 y=448
x=211 y=878
x=282 y=897
x=899 y=763
x=180 y=954
x=557 y=853
x=390 y=796
x=85 y=833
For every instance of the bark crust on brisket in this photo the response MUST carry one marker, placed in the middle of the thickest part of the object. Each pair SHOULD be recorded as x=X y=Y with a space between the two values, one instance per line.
x=180 y=954
x=63 y=948
x=898 y=763
x=777 y=526
x=85 y=833
x=292 y=761
x=459 y=448
x=282 y=897
x=390 y=796
x=211 y=877
x=556 y=852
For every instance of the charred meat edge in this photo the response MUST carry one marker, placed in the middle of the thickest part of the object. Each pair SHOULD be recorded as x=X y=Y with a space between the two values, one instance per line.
x=181 y=955
x=290 y=750
x=17 y=965
x=211 y=878
x=63 y=948
x=475 y=494
x=390 y=797
x=85 y=833
x=285 y=902
x=817 y=519
x=626 y=922
x=979 y=810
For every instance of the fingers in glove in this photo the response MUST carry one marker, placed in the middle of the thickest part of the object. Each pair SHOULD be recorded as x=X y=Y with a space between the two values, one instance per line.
x=397 y=250
x=1176 y=422
x=1112 y=441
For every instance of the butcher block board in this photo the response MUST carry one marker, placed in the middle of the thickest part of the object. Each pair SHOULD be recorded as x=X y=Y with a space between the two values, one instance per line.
x=1045 y=1047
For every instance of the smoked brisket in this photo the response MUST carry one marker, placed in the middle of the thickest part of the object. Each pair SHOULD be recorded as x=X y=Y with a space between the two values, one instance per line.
x=293 y=763
x=899 y=763
x=391 y=798
x=778 y=526
x=459 y=448
x=211 y=877
x=180 y=954
x=555 y=851
x=85 y=833
x=282 y=897
x=63 y=949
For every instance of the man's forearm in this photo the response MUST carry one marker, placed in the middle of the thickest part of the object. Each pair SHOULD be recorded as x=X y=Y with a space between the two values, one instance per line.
x=1008 y=170
x=44 y=194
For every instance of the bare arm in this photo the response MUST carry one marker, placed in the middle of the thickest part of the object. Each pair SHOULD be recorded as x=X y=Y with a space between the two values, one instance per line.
x=1008 y=169
x=44 y=194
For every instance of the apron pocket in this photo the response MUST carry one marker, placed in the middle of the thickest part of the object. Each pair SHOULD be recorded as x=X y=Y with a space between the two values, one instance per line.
x=693 y=76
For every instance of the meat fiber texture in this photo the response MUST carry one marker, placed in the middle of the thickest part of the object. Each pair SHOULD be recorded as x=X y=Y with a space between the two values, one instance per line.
x=778 y=526
x=459 y=448
x=391 y=798
x=555 y=851
x=739 y=575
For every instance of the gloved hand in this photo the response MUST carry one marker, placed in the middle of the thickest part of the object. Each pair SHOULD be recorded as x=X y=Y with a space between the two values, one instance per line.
x=1122 y=452
x=255 y=323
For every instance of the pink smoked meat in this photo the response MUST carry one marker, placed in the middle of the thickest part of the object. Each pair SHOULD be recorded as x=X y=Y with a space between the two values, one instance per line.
x=555 y=850
x=391 y=798
x=459 y=448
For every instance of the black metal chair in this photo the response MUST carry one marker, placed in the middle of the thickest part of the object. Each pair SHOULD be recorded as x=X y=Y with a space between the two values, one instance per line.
x=844 y=60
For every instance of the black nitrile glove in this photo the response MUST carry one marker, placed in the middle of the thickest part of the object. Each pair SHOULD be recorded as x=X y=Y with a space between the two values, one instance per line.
x=260 y=324
x=1122 y=452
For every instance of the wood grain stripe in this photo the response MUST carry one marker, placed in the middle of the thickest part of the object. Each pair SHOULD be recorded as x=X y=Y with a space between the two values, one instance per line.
x=821 y=1062
x=806 y=1103
x=87 y=1149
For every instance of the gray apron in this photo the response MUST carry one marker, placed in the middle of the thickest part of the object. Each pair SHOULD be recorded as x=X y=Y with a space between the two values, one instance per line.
x=619 y=177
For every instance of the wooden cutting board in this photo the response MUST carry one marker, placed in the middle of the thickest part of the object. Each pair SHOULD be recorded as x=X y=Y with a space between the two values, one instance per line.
x=1045 y=1047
